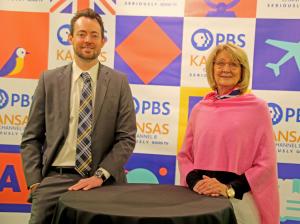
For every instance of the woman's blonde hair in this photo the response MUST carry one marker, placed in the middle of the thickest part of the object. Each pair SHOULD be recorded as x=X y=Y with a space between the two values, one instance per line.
x=238 y=54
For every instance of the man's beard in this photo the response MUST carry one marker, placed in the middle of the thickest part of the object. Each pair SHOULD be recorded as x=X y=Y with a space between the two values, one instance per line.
x=87 y=58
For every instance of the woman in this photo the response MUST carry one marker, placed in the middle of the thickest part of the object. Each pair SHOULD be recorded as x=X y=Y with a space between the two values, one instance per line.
x=229 y=145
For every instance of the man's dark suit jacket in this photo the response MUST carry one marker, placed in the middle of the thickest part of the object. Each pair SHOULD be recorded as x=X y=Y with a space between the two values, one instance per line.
x=114 y=126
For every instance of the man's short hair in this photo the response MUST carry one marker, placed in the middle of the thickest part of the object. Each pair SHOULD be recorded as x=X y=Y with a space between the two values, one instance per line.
x=89 y=13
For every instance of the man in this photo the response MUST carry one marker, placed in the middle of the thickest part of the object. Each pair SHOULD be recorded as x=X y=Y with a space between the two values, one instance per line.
x=81 y=128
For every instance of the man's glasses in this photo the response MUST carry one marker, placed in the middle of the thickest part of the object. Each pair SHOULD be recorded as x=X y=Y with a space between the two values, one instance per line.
x=232 y=65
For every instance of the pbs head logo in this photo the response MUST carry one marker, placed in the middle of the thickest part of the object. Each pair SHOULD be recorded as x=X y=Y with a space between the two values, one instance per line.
x=63 y=34
x=276 y=113
x=202 y=39
x=3 y=99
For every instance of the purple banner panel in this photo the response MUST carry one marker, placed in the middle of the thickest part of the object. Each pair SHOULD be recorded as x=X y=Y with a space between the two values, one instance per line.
x=277 y=55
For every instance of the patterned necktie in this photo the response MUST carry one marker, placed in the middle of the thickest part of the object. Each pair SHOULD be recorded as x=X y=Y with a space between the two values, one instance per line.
x=84 y=141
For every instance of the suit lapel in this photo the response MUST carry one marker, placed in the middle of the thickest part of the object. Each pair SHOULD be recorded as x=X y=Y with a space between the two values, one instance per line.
x=64 y=82
x=102 y=84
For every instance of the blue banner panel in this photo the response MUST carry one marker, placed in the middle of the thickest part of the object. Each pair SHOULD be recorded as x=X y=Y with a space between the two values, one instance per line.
x=150 y=168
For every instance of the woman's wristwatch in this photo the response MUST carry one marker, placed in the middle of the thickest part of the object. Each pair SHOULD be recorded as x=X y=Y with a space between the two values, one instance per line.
x=230 y=191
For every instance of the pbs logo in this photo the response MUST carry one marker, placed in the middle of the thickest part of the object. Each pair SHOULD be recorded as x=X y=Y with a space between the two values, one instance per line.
x=203 y=39
x=14 y=99
x=151 y=107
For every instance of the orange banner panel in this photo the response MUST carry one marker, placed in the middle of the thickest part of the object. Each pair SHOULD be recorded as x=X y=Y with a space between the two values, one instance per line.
x=24 y=44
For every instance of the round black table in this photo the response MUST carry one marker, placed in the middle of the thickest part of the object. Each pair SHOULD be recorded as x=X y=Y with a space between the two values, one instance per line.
x=142 y=204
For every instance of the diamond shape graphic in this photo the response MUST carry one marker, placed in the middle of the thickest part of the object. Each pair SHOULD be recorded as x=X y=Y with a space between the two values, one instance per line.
x=148 y=50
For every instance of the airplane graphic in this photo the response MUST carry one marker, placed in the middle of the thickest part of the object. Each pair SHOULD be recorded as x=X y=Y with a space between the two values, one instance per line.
x=293 y=51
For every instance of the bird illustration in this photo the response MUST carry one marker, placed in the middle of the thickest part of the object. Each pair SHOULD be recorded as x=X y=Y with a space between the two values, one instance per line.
x=14 y=64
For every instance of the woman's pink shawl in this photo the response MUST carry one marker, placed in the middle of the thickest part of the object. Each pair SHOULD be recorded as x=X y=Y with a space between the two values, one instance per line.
x=234 y=135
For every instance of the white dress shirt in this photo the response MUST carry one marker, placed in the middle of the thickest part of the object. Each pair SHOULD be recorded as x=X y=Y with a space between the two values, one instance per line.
x=67 y=155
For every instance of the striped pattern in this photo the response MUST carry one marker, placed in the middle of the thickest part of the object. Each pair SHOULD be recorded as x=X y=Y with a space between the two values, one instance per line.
x=84 y=141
